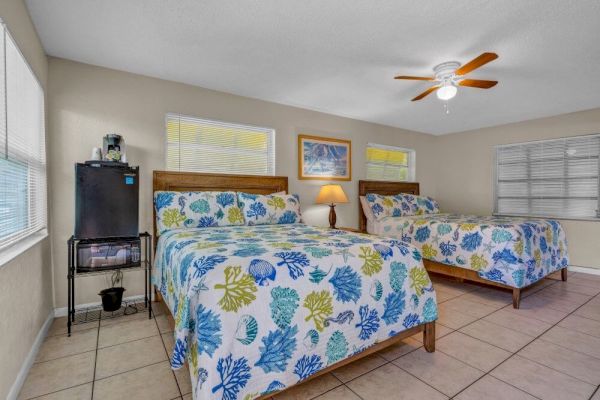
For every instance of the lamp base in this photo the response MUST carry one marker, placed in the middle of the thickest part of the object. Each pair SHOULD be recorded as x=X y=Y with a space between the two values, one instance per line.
x=332 y=217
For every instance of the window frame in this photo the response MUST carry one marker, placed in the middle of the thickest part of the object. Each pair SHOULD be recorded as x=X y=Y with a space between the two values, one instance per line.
x=11 y=250
x=271 y=131
x=544 y=216
x=412 y=159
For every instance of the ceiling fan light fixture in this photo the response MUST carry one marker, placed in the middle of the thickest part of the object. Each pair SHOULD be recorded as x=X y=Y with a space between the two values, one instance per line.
x=447 y=76
x=446 y=92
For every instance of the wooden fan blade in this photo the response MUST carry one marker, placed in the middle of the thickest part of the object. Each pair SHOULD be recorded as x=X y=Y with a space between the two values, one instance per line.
x=476 y=63
x=425 y=93
x=478 y=83
x=415 y=78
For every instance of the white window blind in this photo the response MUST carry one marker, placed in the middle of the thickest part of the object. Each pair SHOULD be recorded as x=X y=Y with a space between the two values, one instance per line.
x=22 y=146
x=549 y=178
x=388 y=163
x=201 y=145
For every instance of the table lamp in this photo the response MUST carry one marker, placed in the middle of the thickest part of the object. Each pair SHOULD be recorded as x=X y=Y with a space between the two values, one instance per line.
x=332 y=195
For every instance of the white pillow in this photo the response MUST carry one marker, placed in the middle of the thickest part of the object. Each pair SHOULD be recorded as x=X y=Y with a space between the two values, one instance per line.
x=367 y=209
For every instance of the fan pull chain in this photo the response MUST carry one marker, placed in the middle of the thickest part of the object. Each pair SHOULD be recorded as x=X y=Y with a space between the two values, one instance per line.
x=446 y=108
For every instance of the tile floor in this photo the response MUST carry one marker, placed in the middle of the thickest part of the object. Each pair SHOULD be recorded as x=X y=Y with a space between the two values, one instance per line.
x=549 y=349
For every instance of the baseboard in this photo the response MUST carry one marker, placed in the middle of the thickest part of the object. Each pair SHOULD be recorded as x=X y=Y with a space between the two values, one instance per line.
x=62 y=312
x=585 y=270
x=18 y=384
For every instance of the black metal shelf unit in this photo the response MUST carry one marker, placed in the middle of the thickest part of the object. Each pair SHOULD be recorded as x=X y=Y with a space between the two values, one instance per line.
x=95 y=313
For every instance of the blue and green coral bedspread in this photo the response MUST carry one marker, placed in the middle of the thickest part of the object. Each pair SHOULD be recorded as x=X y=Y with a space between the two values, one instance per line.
x=514 y=251
x=260 y=308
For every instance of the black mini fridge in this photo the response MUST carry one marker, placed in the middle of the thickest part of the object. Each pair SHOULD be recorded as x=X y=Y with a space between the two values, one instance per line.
x=106 y=201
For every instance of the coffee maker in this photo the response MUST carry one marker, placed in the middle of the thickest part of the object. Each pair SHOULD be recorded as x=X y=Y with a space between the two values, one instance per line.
x=114 y=148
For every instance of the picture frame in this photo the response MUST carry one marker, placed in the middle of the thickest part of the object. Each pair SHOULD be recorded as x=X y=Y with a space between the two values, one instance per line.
x=324 y=158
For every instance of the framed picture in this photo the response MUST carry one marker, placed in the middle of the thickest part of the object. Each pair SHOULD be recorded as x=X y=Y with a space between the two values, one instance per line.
x=324 y=158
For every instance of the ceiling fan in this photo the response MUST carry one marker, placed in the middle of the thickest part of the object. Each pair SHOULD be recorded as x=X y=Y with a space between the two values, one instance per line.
x=449 y=75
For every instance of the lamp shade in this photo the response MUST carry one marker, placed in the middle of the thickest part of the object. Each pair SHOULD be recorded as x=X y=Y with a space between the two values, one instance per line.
x=331 y=194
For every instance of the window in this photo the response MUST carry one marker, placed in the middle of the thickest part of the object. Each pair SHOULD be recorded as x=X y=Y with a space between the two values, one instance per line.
x=22 y=146
x=549 y=178
x=388 y=163
x=200 y=145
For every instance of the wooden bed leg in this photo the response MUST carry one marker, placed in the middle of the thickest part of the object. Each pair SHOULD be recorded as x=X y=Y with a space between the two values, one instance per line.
x=429 y=336
x=563 y=274
x=516 y=298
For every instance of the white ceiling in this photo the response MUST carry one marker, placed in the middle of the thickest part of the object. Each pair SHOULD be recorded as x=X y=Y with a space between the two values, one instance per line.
x=339 y=56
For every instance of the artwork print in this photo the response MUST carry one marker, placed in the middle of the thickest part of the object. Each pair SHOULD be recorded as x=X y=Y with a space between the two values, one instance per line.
x=324 y=158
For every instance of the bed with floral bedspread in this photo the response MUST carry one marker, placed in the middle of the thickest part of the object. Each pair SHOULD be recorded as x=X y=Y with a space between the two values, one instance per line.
x=260 y=308
x=512 y=251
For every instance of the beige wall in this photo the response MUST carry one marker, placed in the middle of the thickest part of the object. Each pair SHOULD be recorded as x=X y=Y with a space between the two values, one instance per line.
x=26 y=281
x=465 y=173
x=86 y=102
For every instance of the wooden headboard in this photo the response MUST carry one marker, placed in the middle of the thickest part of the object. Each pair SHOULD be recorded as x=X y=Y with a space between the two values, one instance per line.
x=198 y=182
x=384 y=188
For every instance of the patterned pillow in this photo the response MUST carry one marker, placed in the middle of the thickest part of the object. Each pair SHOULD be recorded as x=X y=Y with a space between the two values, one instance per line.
x=270 y=209
x=418 y=205
x=196 y=210
x=401 y=205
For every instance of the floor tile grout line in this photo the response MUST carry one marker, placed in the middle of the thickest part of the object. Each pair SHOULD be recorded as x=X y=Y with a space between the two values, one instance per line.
x=486 y=342
x=497 y=324
x=493 y=377
x=350 y=389
x=133 y=369
x=61 y=357
x=589 y=319
x=557 y=296
x=464 y=362
x=58 y=391
x=397 y=366
x=532 y=317
x=95 y=349
x=168 y=357
x=128 y=341
x=419 y=379
x=364 y=373
x=554 y=369
x=72 y=331
x=130 y=370
x=382 y=365
x=95 y=362
x=327 y=391
x=566 y=348
x=579 y=293
x=583 y=333
x=515 y=353
x=595 y=391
